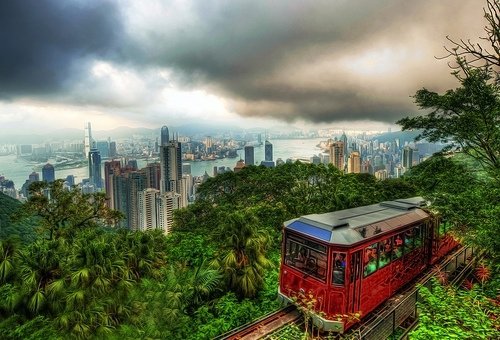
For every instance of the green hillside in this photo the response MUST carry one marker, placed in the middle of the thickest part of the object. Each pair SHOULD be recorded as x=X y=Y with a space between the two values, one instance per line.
x=9 y=227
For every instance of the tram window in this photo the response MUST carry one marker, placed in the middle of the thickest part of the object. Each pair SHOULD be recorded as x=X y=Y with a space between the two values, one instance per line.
x=305 y=256
x=371 y=259
x=339 y=265
x=409 y=240
x=385 y=251
x=398 y=246
x=418 y=235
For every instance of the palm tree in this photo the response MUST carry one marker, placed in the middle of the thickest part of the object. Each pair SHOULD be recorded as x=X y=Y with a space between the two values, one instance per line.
x=242 y=258
x=7 y=259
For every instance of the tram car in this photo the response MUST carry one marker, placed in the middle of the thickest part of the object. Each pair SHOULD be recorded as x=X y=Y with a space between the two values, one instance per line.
x=351 y=261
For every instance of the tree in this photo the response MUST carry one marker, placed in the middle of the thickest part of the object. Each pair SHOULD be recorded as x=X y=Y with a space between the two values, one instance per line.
x=243 y=255
x=62 y=211
x=468 y=117
x=469 y=54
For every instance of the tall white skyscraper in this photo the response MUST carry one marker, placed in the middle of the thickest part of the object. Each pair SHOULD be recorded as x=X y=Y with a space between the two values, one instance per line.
x=88 y=139
x=166 y=204
x=148 y=209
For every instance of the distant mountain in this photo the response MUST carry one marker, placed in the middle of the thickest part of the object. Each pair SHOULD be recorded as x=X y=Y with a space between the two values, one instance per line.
x=121 y=132
x=404 y=136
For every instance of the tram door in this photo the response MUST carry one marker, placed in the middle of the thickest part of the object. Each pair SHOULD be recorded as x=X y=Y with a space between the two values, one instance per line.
x=356 y=268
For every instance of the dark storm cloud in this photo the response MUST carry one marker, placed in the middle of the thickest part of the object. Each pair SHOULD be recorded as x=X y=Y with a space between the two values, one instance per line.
x=45 y=45
x=322 y=60
x=262 y=55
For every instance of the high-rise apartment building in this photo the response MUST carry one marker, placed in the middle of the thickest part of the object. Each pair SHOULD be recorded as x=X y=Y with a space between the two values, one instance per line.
x=407 y=157
x=136 y=184
x=167 y=203
x=249 y=155
x=337 y=155
x=171 y=167
x=153 y=175
x=95 y=176
x=148 y=209
x=111 y=169
x=354 y=163
x=112 y=149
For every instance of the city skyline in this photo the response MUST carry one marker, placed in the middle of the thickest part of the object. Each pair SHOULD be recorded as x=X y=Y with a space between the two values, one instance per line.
x=143 y=63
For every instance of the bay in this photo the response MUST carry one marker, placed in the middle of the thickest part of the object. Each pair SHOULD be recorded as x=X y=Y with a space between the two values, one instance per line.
x=18 y=170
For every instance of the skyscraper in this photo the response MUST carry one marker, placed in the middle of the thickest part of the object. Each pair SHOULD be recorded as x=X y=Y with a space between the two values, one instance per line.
x=88 y=139
x=103 y=147
x=343 y=139
x=354 y=163
x=111 y=169
x=268 y=155
x=249 y=155
x=167 y=203
x=112 y=149
x=95 y=176
x=48 y=173
x=407 y=157
x=148 y=210
x=171 y=167
x=164 y=136
x=268 y=151
x=337 y=155
x=153 y=175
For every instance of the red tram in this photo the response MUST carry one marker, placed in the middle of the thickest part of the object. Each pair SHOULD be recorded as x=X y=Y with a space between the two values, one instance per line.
x=353 y=260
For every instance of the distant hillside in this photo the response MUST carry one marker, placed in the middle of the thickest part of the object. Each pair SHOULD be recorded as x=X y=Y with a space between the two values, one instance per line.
x=9 y=228
x=7 y=206
x=404 y=136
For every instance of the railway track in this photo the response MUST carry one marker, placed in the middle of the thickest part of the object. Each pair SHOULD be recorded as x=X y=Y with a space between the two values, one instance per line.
x=263 y=326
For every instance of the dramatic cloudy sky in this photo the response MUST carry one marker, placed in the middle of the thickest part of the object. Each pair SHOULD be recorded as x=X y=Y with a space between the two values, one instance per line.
x=146 y=63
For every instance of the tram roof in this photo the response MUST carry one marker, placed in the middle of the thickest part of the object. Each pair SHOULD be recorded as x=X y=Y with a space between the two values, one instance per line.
x=351 y=226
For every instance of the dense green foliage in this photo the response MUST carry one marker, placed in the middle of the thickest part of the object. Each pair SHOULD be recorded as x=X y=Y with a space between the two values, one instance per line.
x=465 y=193
x=10 y=226
x=218 y=269
x=450 y=313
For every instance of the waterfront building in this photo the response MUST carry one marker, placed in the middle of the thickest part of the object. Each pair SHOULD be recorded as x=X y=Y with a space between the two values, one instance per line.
x=315 y=159
x=354 y=163
x=34 y=177
x=268 y=151
x=95 y=176
x=48 y=173
x=249 y=155
x=70 y=180
x=186 y=168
